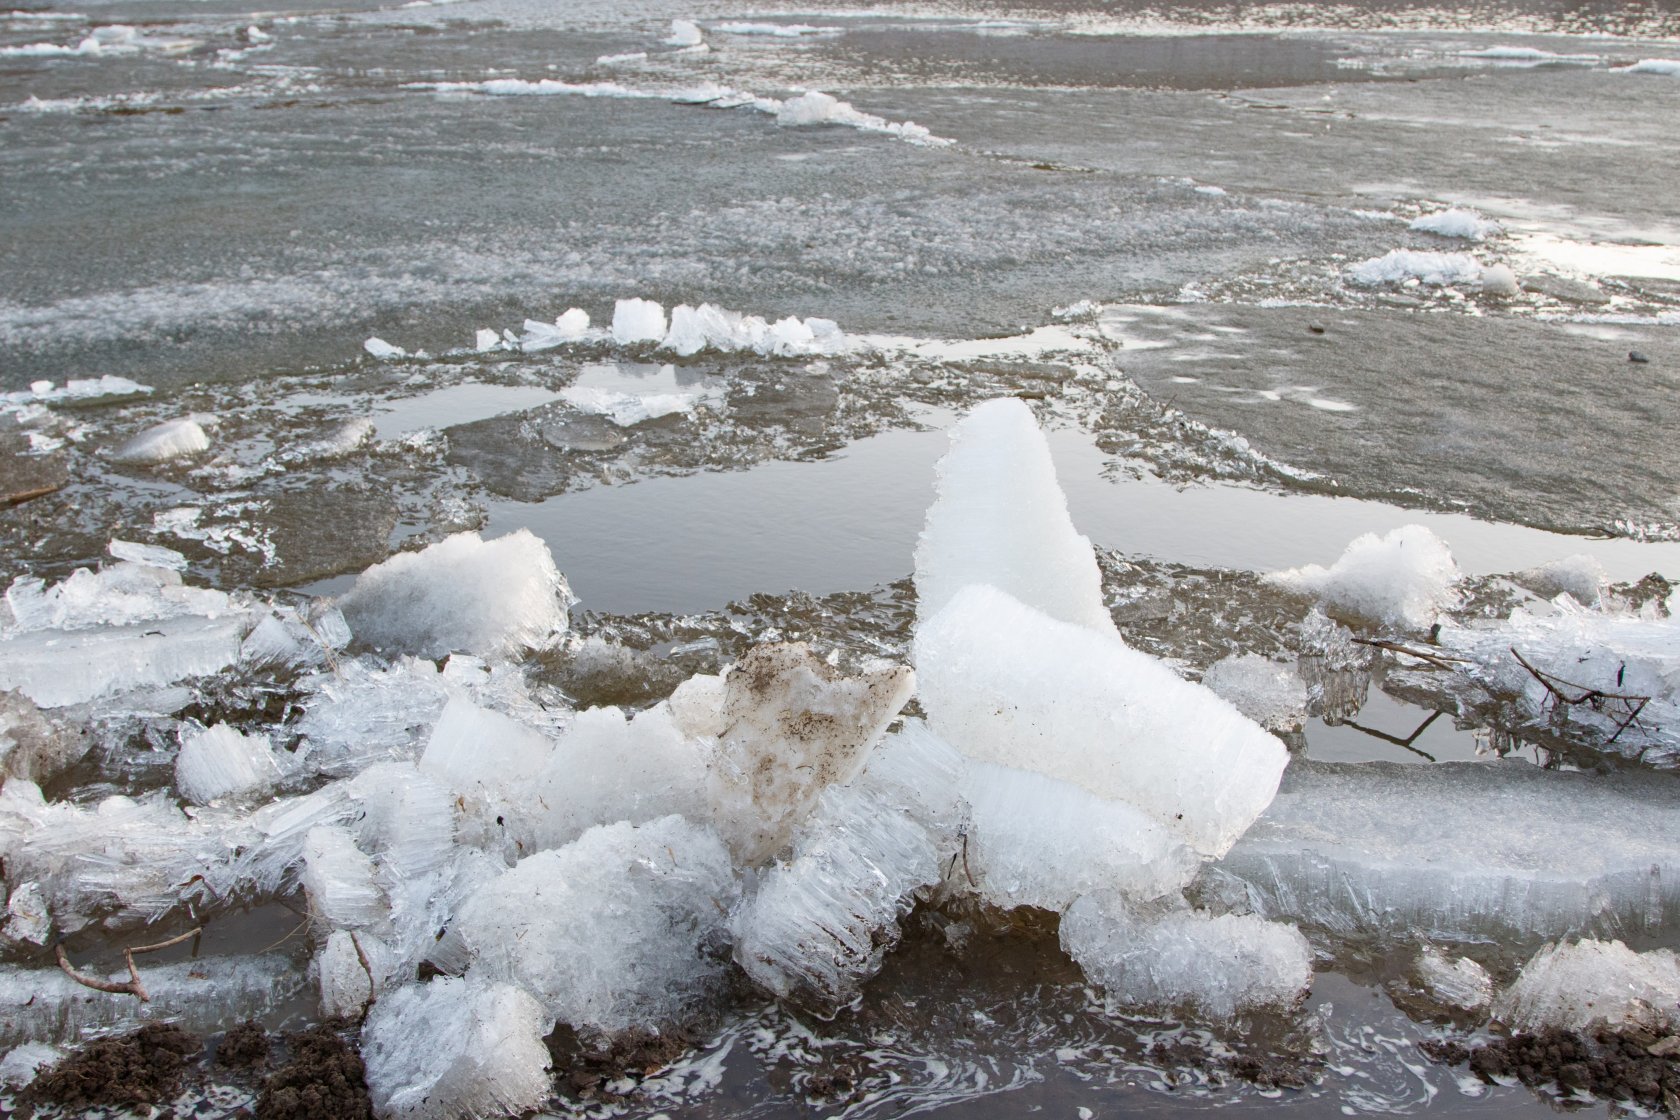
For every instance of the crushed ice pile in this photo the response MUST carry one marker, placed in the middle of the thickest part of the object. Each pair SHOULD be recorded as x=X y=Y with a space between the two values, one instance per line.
x=619 y=872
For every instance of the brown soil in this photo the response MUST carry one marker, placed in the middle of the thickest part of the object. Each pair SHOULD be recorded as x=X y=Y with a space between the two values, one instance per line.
x=323 y=1079
x=145 y=1067
x=1609 y=1066
x=244 y=1045
x=587 y=1068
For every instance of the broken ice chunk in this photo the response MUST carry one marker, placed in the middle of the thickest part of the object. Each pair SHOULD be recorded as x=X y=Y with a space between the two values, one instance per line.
x=1404 y=578
x=490 y=762
x=637 y=320
x=697 y=706
x=408 y=820
x=1220 y=965
x=1581 y=577
x=32 y=746
x=456 y=1048
x=491 y=598
x=1033 y=840
x=1586 y=984
x=149 y=555
x=1457 y=982
x=361 y=713
x=27 y=920
x=607 y=768
x=381 y=349
x=685 y=33
x=792 y=725
x=1401 y=265
x=1000 y=518
x=822 y=922
x=1467 y=224
x=486 y=339
x=347 y=984
x=1009 y=685
x=220 y=762
x=620 y=929
x=339 y=880
x=1462 y=851
x=121 y=593
x=20 y=1065
x=56 y=669
x=168 y=440
x=1271 y=694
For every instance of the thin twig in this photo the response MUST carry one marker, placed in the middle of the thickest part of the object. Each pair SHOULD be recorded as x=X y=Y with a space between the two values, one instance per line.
x=1396 y=740
x=362 y=958
x=1593 y=697
x=132 y=987
x=1439 y=660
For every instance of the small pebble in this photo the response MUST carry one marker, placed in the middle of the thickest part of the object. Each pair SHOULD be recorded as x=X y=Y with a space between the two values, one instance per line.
x=1637 y=356
x=1316 y=328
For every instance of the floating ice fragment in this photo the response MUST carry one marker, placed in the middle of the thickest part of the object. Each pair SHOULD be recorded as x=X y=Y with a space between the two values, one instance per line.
x=1267 y=692
x=1405 y=578
x=792 y=726
x=1460 y=982
x=1466 y=224
x=1000 y=518
x=150 y=555
x=492 y=598
x=1009 y=685
x=1669 y=66
x=616 y=931
x=486 y=339
x=1587 y=984
x=817 y=107
x=161 y=442
x=637 y=320
x=222 y=763
x=1437 y=269
x=379 y=348
x=1462 y=851
x=1218 y=964
x=685 y=33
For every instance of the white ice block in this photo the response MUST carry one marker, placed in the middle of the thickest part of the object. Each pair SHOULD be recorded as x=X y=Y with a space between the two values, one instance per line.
x=1586 y=984
x=1009 y=685
x=1404 y=578
x=338 y=878
x=1218 y=965
x=221 y=762
x=637 y=320
x=1000 y=518
x=453 y=1048
x=491 y=598
x=615 y=931
x=1455 y=981
x=171 y=439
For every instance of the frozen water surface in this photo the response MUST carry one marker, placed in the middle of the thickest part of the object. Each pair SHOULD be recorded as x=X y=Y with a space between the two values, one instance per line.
x=672 y=304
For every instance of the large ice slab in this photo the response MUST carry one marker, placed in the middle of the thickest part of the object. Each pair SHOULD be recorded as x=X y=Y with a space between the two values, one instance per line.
x=456 y=1048
x=491 y=598
x=1404 y=578
x=1586 y=984
x=1219 y=965
x=1462 y=851
x=1000 y=518
x=822 y=922
x=792 y=725
x=1009 y=685
x=623 y=928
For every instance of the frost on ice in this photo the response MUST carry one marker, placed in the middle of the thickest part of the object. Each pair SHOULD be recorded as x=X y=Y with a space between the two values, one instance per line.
x=1404 y=578
x=463 y=594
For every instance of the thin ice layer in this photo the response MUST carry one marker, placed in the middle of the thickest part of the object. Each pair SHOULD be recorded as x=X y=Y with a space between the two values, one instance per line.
x=203 y=996
x=1219 y=965
x=616 y=931
x=490 y=598
x=1009 y=685
x=1587 y=984
x=1000 y=518
x=1460 y=851
x=456 y=1048
x=822 y=922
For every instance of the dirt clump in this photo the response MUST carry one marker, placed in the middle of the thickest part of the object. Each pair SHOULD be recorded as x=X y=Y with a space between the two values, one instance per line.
x=590 y=1068
x=244 y=1045
x=1623 y=1067
x=323 y=1079
x=145 y=1067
